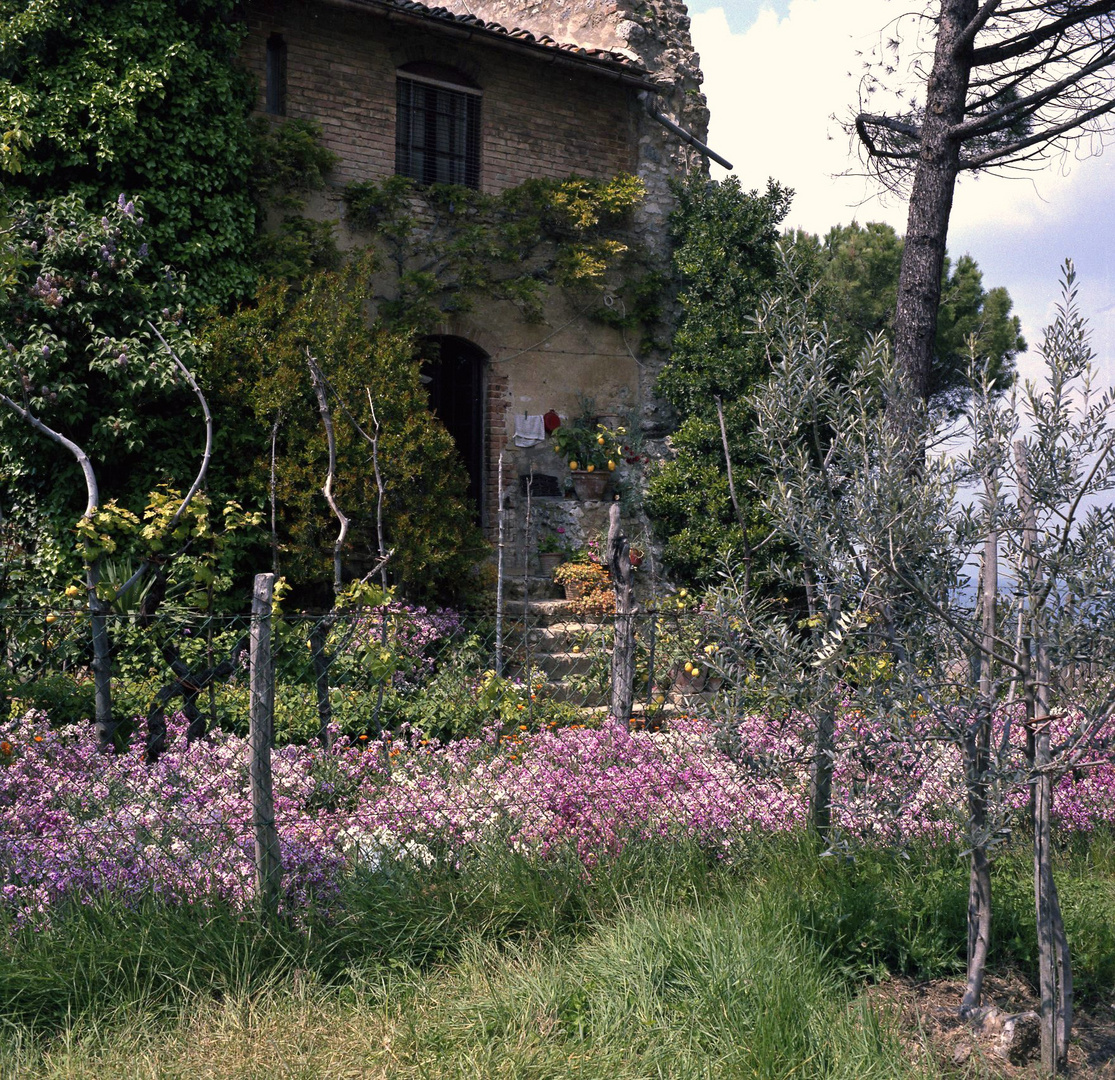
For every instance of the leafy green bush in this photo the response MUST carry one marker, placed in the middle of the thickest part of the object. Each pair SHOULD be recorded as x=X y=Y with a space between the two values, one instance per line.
x=256 y=365
x=146 y=97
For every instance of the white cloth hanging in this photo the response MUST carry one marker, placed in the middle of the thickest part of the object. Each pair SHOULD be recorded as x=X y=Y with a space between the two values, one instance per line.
x=529 y=430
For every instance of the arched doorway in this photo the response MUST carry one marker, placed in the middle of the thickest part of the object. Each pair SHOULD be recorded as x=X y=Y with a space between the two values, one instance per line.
x=454 y=374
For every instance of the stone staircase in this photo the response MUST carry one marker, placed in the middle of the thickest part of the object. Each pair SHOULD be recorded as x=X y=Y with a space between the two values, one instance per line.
x=546 y=641
x=569 y=655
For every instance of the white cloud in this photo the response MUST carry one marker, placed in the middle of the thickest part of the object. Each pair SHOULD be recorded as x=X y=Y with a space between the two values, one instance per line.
x=774 y=91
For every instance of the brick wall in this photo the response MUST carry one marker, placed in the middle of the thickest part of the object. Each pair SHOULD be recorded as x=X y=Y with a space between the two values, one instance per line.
x=537 y=119
x=497 y=405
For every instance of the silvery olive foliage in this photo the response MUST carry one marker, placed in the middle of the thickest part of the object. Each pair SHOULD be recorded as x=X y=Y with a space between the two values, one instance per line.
x=957 y=598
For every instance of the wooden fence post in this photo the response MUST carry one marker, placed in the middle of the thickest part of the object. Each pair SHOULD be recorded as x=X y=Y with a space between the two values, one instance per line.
x=623 y=651
x=269 y=867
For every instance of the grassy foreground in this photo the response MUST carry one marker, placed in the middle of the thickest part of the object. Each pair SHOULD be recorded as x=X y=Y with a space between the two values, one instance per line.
x=663 y=964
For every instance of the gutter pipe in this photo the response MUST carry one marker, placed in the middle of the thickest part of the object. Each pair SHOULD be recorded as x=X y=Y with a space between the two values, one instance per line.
x=684 y=135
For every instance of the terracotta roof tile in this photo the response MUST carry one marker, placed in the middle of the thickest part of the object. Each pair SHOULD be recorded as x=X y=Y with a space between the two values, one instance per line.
x=441 y=14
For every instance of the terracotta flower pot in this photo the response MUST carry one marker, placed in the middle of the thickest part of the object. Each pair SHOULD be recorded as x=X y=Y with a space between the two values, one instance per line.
x=550 y=561
x=579 y=585
x=685 y=683
x=590 y=486
x=637 y=557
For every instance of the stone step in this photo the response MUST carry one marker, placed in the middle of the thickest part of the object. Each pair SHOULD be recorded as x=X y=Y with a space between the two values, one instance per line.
x=541 y=613
x=570 y=693
x=640 y=711
x=560 y=664
x=562 y=637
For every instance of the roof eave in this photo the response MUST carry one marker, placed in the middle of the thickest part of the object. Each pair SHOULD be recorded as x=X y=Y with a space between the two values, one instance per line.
x=597 y=65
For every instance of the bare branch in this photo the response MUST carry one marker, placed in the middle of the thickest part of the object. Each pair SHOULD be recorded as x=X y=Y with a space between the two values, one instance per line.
x=208 y=453
x=886 y=123
x=968 y=34
x=327 y=489
x=146 y=565
x=91 y=489
x=1005 y=153
x=998 y=119
x=1024 y=43
x=379 y=489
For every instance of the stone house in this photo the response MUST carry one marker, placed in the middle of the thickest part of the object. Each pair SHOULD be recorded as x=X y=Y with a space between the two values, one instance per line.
x=490 y=93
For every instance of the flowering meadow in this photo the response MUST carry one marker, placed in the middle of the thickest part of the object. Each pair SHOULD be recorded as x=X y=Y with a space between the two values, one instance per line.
x=76 y=824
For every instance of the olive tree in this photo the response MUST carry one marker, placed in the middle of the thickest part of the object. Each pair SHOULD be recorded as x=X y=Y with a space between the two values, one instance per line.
x=968 y=605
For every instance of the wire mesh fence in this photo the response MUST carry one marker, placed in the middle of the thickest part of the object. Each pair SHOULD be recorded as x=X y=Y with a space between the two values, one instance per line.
x=399 y=732
x=431 y=672
x=404 y=733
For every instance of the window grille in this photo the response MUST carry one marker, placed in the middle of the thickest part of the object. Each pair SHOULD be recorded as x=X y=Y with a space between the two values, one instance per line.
x=437 y=132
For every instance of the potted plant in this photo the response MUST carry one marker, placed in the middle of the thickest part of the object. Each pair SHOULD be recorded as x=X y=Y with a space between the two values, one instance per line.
x=592 y=452
x=581 y=577
x=552 y=551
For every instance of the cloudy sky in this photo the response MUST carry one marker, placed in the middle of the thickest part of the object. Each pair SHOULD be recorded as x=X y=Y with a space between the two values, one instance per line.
x=781 y=74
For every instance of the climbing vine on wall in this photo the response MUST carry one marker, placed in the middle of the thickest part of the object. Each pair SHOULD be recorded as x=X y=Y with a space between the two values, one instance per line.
x=446 y=244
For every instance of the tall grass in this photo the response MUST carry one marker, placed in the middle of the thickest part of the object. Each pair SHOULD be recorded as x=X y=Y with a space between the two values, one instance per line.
x=663 y=963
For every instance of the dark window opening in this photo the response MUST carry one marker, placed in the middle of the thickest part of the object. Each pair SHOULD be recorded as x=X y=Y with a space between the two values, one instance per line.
x=275 y=89
x=454 y=379
x=437 y=126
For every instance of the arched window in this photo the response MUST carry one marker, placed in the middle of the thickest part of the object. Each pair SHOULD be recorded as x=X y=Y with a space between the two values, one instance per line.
x=437 y=125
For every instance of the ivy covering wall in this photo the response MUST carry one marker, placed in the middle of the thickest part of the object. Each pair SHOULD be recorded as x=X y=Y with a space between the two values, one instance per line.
x=144 y=97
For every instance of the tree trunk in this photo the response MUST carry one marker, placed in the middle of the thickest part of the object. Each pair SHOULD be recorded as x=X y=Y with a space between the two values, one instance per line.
x=820 y=773
x=1054 y=961
x=977 y=752
x=919 y=282
x=321 y=661
x=103 y=724
x=268 y=858
x=187 y=684
x=623 y=651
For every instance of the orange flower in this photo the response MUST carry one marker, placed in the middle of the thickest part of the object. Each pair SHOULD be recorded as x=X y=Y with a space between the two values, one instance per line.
x=38 y=738
x=5 y=748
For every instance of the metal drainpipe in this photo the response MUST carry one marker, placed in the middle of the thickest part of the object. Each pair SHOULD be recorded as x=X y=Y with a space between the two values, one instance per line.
x=682 y=134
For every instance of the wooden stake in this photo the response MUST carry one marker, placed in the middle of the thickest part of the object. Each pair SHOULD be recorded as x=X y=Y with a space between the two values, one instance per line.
x=269 y=867
x=623 y=650
x=499 y=568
